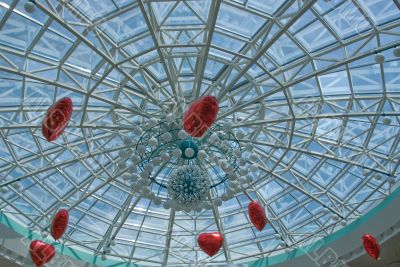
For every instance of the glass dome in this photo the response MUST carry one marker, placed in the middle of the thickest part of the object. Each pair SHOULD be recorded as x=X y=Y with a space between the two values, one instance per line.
x=313 y=86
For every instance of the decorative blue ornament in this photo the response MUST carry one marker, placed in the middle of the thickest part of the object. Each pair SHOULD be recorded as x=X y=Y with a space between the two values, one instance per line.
x=189 y=144
x=188 y=186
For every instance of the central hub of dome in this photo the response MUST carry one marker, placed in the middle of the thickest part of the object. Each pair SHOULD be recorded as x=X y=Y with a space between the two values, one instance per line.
x=189 y=149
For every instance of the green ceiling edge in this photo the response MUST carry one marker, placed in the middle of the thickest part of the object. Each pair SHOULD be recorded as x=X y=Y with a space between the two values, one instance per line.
x=329 y=239
x=87 y=257
x=60 y=248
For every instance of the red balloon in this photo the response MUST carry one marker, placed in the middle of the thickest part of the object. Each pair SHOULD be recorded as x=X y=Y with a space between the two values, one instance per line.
x=371 y=246
x=200 y=116
x=57 y=119
x=257 y=215
x=41 y=253
x=59 y=224
x=210 y=243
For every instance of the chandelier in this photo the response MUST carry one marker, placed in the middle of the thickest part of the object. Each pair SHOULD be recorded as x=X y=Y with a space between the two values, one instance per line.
x=166 y=165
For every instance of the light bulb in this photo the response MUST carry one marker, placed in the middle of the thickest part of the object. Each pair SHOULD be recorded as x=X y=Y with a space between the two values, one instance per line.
x=177 y=153
x=214 y=138
x=217 y=202
x=152 y=122
x=132 y=168
x=144 y=175
x=135 y=159
x=127 y=140
x=157 y=201
x=153 y=142
x=239 y=135
x=103 y=257
x=166 y=205
x=17 y=185
x=44 y=234
x=253 y=168
x=242 y=180
x=233 y=185
x=224 y=197
x=182 y=134
x=325 y=211
x=122 y=165
x=391 y=180
x=189 y=152
x=237 y=152
x=242 y=162
x=169 y=117
x=29 y=7
x=126 y=177
x=227 y=126
x=253 y=157
x=167 y=137
x=123 y=154
x=249 y=146
x=386 y=121
x=156 y=161
x=165 y=157
x=277 y=236
x=145 y=191
x=243 y=171
x=141 y=149
x=134 y=177
x=149 y=168
x=396 y=52
x=379 y=58
x=137 y=130
x=232 y=176
x=249 y=179
x=152 y=196
x=201 y=154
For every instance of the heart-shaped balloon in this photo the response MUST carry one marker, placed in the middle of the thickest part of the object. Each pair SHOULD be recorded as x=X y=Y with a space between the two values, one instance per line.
x=59 y=224
x=200 y=115
x=210 y=243
x=41 y=253
x=371 y=246
x=257 y=215
x=57 y=119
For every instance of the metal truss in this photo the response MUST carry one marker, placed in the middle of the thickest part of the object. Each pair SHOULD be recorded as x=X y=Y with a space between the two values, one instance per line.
x=298 y=78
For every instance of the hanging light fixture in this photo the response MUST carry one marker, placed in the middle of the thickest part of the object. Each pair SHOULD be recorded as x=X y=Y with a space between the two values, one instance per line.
x=175 y=170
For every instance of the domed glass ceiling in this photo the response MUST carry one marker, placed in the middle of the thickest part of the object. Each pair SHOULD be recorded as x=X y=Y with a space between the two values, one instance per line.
x=301 y=79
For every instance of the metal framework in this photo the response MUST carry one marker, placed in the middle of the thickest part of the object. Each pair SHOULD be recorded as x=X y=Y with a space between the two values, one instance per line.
x=300 y=78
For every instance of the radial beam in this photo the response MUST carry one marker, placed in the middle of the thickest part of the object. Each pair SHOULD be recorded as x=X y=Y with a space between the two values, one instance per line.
x=316 y=116
x=307 y=5
x=217 y=219
x=71 y=88
x=152 y=31
x=308 y=76
x=110 y=234
x=87 y=42
x=169 y=236
x=202 y=59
